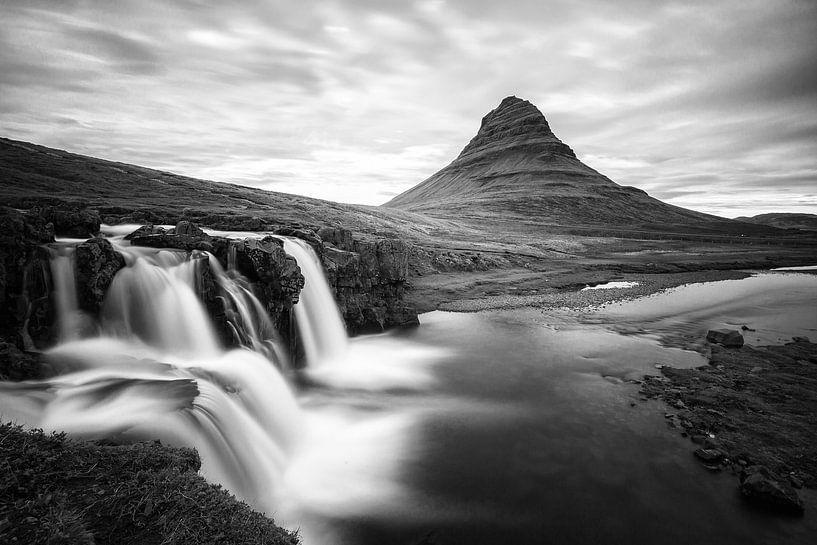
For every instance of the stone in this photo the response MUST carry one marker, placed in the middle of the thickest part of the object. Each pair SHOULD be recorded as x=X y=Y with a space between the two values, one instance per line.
x=709 y=455
x=725 y=337
x=96 y=264
x=800 y=339
x=761 y=487
x=145 y=230
x=185 y=236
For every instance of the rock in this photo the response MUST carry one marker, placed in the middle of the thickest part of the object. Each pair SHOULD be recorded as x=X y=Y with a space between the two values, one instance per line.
x=185 y=236
x=338 y=237
x=26 y=312
x=709 y=455
x=725 y=337
x=146 y=230
x=96 y=265
x=800 y=339
x=17 y=365
x=71 y=221
x=763 y=488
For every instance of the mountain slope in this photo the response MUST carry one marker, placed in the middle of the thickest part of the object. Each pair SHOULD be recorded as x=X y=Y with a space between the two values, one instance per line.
x=33 y=175
x=516 y=167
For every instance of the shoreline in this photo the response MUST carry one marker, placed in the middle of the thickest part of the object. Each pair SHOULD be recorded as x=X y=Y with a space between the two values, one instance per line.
x=555 y=298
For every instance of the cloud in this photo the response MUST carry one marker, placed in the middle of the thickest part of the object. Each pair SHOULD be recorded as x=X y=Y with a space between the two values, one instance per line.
x=704 y=104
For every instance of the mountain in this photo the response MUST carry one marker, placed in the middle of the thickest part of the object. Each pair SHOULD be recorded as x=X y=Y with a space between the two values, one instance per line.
x=806 y=222
x=516 y=167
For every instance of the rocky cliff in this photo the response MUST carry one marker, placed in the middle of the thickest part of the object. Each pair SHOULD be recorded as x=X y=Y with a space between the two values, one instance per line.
x=515 y=167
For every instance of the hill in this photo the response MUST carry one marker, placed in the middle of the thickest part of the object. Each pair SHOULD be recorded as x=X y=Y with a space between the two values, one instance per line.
x=806 y=222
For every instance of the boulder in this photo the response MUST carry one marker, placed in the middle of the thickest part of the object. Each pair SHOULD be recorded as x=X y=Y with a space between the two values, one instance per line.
x=96 y=264
x=761 y=487
x=185 y=236
x=800 y=339
x=146 y=230
x=729 y=338
x=709 y=455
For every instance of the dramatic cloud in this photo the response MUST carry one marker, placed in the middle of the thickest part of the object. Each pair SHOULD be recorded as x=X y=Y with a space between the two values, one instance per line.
x=710 y=105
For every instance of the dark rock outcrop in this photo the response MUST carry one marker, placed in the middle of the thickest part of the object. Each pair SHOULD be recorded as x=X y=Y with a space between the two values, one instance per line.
x=369 y=281
x=185 y=236
x=275 y=273
x=26 y=312
x=71 y=221
x=96 y=264
x=763 y=488
x=725 y=337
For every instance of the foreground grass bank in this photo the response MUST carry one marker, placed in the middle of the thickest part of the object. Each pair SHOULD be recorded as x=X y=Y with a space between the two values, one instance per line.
x=55 y=490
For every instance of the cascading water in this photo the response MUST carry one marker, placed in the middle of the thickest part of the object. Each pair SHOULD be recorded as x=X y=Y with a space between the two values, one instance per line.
x=157 y=371
x=319 y=322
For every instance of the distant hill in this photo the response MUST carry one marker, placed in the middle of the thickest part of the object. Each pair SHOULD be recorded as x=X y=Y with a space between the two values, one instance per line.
x=806 y=222
x=36 y=175
x=516 y=167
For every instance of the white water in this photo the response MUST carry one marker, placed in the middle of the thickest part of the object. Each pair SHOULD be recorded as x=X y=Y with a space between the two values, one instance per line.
x=157 y=371
x=319 y=322
x=611 y=285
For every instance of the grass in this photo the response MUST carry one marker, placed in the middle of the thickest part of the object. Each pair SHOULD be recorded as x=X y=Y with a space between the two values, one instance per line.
x=55 y=490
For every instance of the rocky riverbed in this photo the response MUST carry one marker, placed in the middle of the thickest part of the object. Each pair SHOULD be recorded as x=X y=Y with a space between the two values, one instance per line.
x=751 y=412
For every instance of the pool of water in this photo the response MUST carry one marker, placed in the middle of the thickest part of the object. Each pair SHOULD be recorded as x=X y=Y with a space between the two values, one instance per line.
x=522 y=427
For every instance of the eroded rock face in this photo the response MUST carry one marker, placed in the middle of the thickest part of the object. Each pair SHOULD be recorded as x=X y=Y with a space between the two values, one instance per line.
x=96 y=265
x=26 y=312
x=369 y=282
x=265 y=261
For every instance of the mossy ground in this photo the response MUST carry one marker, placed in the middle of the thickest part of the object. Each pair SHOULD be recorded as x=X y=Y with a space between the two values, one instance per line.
x=55 y=490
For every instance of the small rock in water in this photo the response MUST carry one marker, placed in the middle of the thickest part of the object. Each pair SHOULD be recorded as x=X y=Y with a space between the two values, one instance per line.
x=745 y=327
x=709 y=455
x=659 y=366
x=725 y=337
x=800 y=339
x=763 y=488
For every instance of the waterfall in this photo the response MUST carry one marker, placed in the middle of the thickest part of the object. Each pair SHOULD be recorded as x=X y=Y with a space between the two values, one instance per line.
x=319 y=322
x=71 y=321
x=156 y=370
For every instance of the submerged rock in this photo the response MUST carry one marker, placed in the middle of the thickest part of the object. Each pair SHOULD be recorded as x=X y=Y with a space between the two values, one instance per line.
x=763 y=488
x=97 y=264
x=725 y=337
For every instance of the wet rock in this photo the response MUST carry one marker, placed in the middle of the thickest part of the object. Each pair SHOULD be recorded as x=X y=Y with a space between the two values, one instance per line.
x=725 y=337
x=146 y=230
x=709 y=455
x=185 y=236
x=96 y=264
x=26 y=312
x=276 y=277
x=800 y=339
x=761 y=487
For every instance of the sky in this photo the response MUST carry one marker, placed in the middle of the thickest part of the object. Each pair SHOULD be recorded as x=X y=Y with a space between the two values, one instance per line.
x=710 y=105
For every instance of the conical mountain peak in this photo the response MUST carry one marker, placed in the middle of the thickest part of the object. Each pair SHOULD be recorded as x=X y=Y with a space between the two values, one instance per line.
x=514 y=123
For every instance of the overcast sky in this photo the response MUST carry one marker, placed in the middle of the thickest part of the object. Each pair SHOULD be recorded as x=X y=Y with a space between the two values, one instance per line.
x=711 y=105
